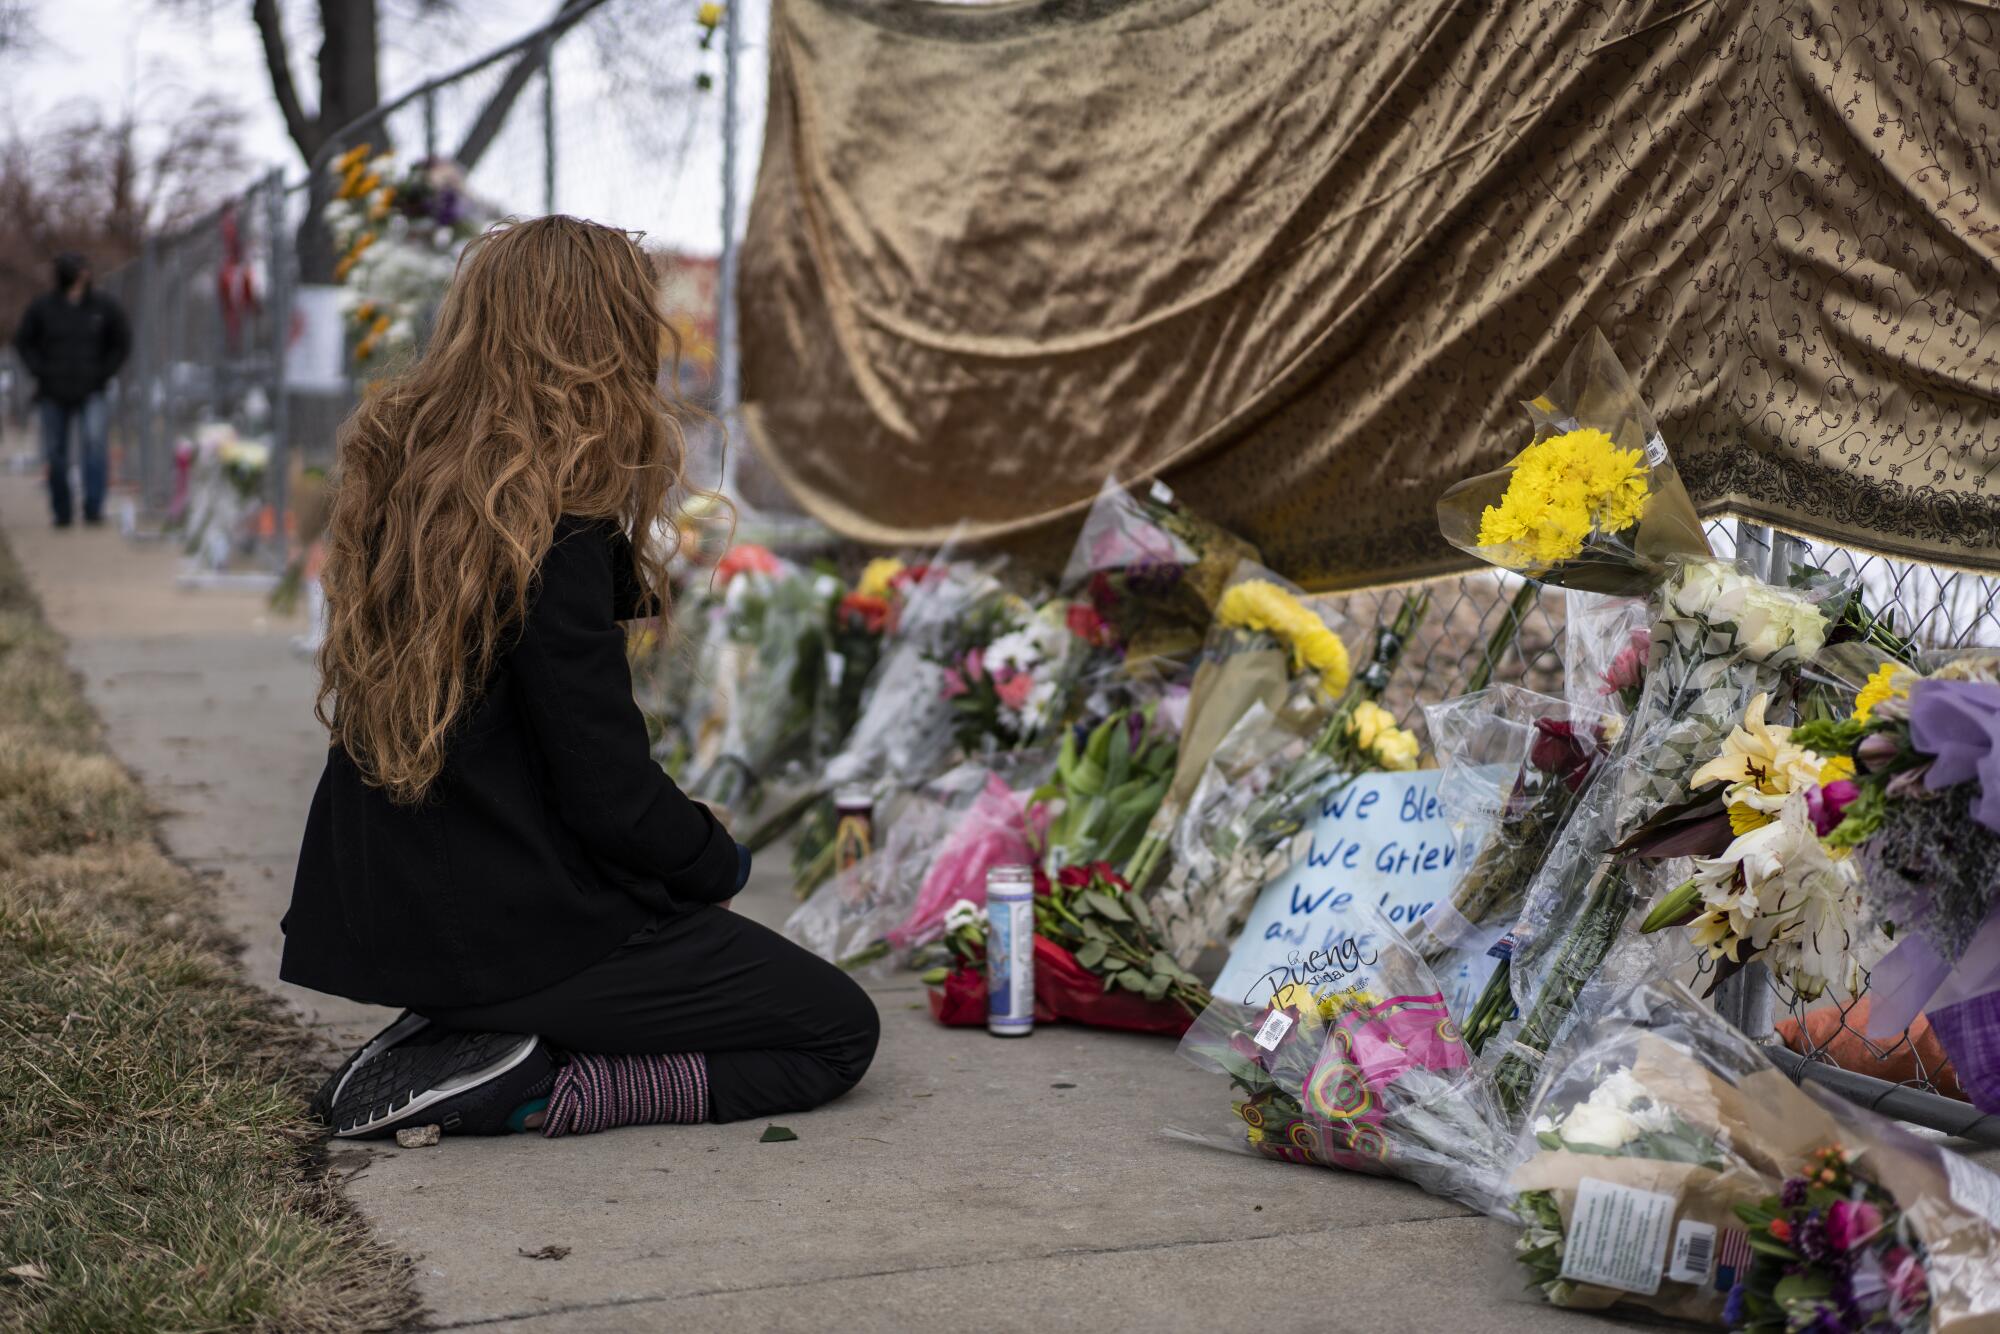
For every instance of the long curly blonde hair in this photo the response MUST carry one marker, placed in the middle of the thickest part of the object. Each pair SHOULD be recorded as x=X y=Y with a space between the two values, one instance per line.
x=538 y=396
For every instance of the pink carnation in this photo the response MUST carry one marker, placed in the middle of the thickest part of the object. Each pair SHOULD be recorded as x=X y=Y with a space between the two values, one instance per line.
x=1852 y=1223
x=1014 y=688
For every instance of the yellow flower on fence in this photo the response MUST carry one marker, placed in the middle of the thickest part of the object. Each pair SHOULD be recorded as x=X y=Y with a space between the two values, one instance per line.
x=1562 y=490
x=1376 y=735
x=1260 y=605
x=875 y=578
x=709 y=15
x=1889 y=681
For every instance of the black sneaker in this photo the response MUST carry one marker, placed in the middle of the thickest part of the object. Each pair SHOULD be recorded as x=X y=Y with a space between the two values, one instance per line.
x=466 y=1083
x=402 y=1028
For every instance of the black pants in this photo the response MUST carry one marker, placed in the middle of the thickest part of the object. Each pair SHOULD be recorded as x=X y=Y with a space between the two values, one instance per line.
x=782 y=1029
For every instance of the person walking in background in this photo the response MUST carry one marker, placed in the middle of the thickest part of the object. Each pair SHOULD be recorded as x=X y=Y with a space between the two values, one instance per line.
x=73 y=340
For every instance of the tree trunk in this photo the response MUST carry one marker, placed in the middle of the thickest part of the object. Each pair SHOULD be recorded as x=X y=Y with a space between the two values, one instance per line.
x=349 y=86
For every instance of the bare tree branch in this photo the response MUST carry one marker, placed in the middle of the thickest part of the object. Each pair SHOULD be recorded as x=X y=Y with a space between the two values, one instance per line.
x=305 y=130
x=493 y=115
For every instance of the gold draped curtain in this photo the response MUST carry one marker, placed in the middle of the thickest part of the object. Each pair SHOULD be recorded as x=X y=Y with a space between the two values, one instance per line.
x=1303 y=258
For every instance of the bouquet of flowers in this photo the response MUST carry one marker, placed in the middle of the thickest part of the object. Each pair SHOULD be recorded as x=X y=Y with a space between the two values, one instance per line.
x=1595 y=503
x=1353 y=1063
x=904 y=734
x=1776 y=890
x=1261 y=786
x=1669 y=1167
x=1489 y=729
x=225 y=494
x=399 y=237
x=1266 y=644
x=861 y=622
x=773 y=616
x=1098 y=959
x=1006 y=676
x=1916 y=802
x=1108 y=782
x=1830 y=1249
x=1146 y=573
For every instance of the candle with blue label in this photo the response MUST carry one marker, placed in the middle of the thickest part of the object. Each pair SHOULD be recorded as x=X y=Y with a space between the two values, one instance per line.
x=1010 y=951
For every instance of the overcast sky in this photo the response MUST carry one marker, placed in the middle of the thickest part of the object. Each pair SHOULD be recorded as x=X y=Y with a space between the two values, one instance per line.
x=636 y=144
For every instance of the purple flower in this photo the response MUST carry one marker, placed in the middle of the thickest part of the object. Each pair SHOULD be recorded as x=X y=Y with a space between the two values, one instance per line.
x=1732 y=1311
x=1794 y=1193
x=1959 y=723
x=1810 y=1239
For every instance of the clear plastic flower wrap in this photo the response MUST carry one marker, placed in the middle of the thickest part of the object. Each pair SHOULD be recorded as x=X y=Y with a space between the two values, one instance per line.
x=1516 y=763
x=1719 y=637
x=1594 y=502
x=1667 y=1166
x=1606 y=642
x=1347 y=1058
x=1259 y=788
x=933 y=848
x=904 y=732
x=1146 y=572
x=772 y=647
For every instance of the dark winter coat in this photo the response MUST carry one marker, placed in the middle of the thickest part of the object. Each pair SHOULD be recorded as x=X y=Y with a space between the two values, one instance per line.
x=550 y=837
x=72 y=348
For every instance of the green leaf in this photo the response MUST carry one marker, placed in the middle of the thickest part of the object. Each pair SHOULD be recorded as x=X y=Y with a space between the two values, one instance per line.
x=1132 y=980
x=1795 y=1288
x=1140 y=912
x=1104 y=905
x=1163 y=963
x=775 y=1134
x=1766 y=1246
x=1092 y=953
x=1156 y=988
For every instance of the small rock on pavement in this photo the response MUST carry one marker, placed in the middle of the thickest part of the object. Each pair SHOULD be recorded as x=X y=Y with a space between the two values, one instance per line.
x=419 y=1137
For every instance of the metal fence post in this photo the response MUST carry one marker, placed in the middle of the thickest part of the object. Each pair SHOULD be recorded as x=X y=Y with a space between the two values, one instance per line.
x=549 y=128
x=280 y=300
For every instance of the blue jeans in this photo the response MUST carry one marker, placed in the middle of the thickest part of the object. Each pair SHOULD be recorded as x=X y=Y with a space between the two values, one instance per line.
x=92 y=420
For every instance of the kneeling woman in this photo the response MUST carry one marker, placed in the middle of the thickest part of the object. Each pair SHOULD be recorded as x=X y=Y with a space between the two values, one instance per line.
x=492 y=847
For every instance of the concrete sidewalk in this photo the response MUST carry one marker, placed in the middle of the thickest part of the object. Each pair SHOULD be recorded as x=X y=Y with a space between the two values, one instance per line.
x=1004 y=1185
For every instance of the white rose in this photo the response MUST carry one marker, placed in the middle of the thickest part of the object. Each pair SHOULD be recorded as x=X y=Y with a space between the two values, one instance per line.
x=962 y=914
x=1701 y=585
x=1619 y=1089
x=1599 y=1127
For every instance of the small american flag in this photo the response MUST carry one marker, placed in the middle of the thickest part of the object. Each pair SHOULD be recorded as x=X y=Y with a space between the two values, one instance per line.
x=1732 y=1258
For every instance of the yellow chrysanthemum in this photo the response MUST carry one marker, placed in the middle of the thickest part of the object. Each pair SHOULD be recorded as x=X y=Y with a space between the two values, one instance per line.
x=874 y=581
x=1258 y=604
x=1889 y=681
x=1376 y=734
x=1562 y=490
x=1742 y=819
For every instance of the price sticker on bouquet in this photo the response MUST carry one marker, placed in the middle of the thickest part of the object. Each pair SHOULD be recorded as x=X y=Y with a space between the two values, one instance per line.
x=1381 y=852
x=1276 y=1024
x=1618 y=1237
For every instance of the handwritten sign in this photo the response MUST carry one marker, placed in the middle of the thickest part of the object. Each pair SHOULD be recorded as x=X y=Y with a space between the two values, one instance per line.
x=1381 y=852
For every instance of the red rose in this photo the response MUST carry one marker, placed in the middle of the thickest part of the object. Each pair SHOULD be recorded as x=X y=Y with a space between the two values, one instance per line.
x=1074 y=877
x=1086 y=624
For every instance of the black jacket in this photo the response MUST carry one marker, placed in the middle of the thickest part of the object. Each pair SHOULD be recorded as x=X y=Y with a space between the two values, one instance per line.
x=549 y=838
x=72 y=348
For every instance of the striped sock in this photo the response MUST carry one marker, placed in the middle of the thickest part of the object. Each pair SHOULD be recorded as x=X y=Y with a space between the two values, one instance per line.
x=594 y=1093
